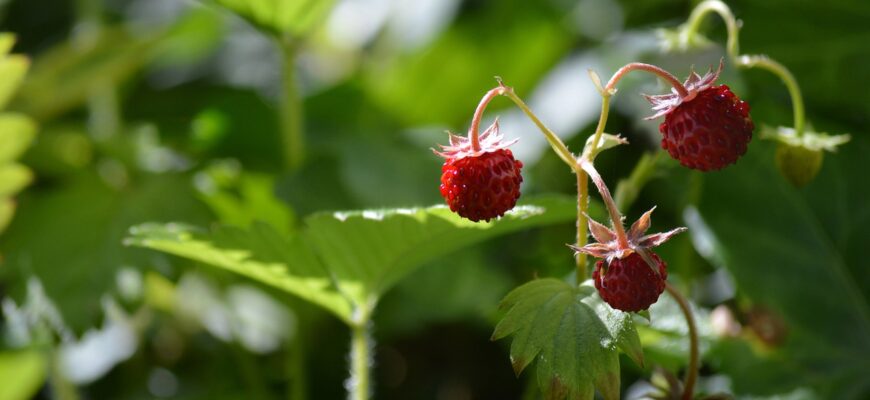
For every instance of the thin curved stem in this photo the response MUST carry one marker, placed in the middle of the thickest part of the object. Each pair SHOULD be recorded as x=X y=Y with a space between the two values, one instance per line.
x=764 y=62
x=558 y=146
x=692 y=372
x=611 y=84
x=602 y=121
x=473 y=131
x=706 y=7
x=615 y=217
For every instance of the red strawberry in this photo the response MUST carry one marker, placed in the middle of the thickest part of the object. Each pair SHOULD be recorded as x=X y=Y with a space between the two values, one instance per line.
x=629 y=284
x=707 y=129
x=630 y=277
x=483 y=184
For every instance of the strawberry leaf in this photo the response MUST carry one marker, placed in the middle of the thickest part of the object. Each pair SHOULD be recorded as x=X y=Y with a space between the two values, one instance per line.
x=344 y=261
x=572 y=334
x=280 y=17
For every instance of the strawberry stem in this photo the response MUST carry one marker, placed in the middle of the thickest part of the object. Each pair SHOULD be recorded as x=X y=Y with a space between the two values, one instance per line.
x=794 y=91
x=746 y=61
x=558 y=146
x=473 y=131
x=615 y=217
x=692 y=372
x=705 y=7
x=611 y=85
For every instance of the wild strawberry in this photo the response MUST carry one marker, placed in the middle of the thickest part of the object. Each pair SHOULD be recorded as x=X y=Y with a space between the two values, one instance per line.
x=630 y=277
x=708 y=128
x=629 y=284
x=483 y=184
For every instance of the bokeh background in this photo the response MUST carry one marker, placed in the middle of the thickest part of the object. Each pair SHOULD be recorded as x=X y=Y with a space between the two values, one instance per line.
x=171 y=110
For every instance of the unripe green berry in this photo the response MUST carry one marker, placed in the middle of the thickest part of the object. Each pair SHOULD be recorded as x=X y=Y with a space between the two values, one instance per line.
x=798 y=164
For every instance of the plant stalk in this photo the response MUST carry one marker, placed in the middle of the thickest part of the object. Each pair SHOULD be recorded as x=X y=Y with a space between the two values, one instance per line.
x=474 y=130
x=361 y=344
x=661 y=73
x=558 y=146
x=582 y=224
x=290 y=109
x=615 y=217
x=794 y=91
x=701 y=11
x=297 y=388
x=692 y=371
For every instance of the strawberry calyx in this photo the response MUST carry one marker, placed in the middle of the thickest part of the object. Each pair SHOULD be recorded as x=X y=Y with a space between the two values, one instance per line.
x=608 y=247
x=461 y=147
x=665 y=103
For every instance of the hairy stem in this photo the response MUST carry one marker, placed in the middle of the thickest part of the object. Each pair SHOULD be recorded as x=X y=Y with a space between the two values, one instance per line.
x=797 y=101
x=615 y=217
x=290 y=111
x=692 y=372
x=672 y=80
x=706 y=7
x=361 y=344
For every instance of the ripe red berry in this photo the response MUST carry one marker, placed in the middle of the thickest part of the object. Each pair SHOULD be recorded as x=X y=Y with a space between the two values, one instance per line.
x=709 y=131
x=706 y=127
x=483 y=186
x=629 y=284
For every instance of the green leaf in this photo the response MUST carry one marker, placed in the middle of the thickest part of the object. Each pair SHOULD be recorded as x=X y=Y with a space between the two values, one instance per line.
x=260 y=253
x=345 y=261
x=239 y=199
x=21 y=374
x=16 y=134
x=801 y=253
x=369 y=251
x=294 y=17
x=572 y=334
x=7 y=40
x=12 y=69
x=13 y=178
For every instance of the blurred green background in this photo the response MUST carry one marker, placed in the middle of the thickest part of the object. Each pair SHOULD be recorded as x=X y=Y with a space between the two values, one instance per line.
x=171 y=110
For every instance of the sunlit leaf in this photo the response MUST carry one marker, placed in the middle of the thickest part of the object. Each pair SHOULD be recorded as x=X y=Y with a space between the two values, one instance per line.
x=345 y=261
x=260 y=253
x=371 y=250
x=12 y=69
x=16 y=133
x=573 y=336
x=13 y=178
x=21 y=374
x=295 y=17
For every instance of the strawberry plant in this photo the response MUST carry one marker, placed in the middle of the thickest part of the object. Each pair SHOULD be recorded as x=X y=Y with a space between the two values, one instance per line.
x=266 y=116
